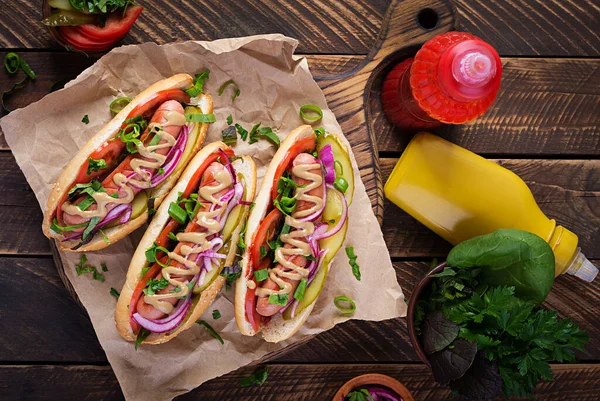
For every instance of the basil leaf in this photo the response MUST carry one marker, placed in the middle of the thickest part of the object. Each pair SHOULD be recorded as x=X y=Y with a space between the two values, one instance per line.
x=198 y=82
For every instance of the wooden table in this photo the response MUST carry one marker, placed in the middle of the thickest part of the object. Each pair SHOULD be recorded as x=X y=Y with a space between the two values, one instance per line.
x=545 y=126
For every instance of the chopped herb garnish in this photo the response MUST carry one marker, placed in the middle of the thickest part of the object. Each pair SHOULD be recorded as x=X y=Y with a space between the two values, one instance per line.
x=172 y=236
x=153 y=286
x=311 y=113
x=142 y=335
x=311 y=258
x=59 y=229
x=155 y=140
x=241 y=244
x=151 y=254
x=340 y=184
x=344 y=299
x=265 y=133
x=359 y=395
x=150 y=206
x=103 y=266
x=177 y=213
x=236 y=92
x=352 y=260
x=263 y=251
x=231 y=273
x=229 y=119
x=211 y=330
x=114 y=293
x=119 y=104
x=85 y=119
x=243 y=133
x=261 y=275
x=320 y=131
x=278 y=299
x=198 y=82
x=299 y=293
x=95 y=165
x=104 y=236
x=98 y=276
x=161 y=171
x=258 y=377
x=216 y=314
x=83 y=267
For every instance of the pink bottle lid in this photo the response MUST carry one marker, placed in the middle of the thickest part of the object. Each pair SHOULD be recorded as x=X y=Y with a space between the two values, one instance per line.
x=470 y=70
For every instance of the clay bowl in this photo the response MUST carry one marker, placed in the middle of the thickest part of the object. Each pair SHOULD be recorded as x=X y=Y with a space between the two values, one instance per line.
x=423 y=284
x=370 y=379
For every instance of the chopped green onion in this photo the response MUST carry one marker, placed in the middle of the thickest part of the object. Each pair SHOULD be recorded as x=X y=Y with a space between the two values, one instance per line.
x=85 y=203
x=299 y=293
x=155 y=140
x=243 y=133
x=142 y=335
x=200 y=118
x=258 y=377
x=95 y=165
x=229 y=119
x=278 y=299
x=263 y=251
x=229 y=135
x=98 y=276
x=311 y=110
x=261 y=275
x=104 y=237
x=173 y=236
x=119 y=104
x=352 y=260
x=340 y=184
x=216 y=314
x=151 y=254
x=177 y=213
x=59 y=229
x=236 y=93
x=341 y=299
x=12 y=62
x=264 y=133
x=85 y=119
x=211 y=330
x=103 y=266
x=320 y=131
x=198 y=84
x=114 y=293
x=337 y=164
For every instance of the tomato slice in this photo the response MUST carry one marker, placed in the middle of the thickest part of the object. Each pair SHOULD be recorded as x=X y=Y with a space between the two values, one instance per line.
x=135 y=297
x=251 y=314
x=305 y=145
x=117 y=25
x=266 y=231
x=73 y=37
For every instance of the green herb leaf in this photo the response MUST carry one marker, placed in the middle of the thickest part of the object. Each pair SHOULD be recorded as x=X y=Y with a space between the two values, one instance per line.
x=229 y=119
x=152 y=257
x=481 y=382
x=92 y=223
x=59 y=229
x=243 y=133
x=437 y=332
x=299 y=293
x=153 y=286
x=352 y=260
x=258 y=377
x=85 y=119
x=216 y=314
x=98 y=276
x=142 y=335
x=103 y=266
x=211 y=330
x=278 y=299
x=177 y=213
x=198 y=83
x=231 y=273
x=261 y=275
x=172 y=236
x=452 y=362
x=265 y=133
x=114 y=293
x=95 y=165
x=236 y=92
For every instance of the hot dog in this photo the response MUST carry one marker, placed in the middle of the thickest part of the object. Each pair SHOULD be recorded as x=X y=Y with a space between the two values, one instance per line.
x=101 y=195
x=297 y=225
x=174 y=274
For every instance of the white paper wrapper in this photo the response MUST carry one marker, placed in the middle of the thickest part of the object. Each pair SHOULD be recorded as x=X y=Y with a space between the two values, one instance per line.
x=274 y=84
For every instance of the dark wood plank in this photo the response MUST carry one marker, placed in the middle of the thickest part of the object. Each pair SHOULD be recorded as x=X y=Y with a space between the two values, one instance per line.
x=545 y=107
x=40 y=321
x=566 y=190
x=514 y=27
x=285 y=383
x=59 y=321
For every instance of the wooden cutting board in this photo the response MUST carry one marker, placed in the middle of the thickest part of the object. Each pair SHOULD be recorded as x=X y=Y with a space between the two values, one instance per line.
x=354 y=95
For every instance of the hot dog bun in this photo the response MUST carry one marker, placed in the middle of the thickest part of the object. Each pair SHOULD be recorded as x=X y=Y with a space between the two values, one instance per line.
x=244 y=166
x=67 y=177
x=277 y=329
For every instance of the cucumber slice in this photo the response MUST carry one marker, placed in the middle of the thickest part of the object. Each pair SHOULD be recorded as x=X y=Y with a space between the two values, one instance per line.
x=192 y=139
x=341 y=155
x=235 y=216
x=214 y=273
x=139 y=204
x=61 y=4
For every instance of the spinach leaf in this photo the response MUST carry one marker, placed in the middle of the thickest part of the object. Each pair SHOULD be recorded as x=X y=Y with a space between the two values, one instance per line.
x=438 y=332
x=453 y=362
x=509 y=257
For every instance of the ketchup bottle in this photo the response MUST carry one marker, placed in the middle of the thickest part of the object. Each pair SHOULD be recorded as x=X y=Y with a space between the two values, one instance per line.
x=453 y=78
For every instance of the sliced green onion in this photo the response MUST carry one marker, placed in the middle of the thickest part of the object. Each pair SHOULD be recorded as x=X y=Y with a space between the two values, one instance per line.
x=236 y=93
x=178 y=213
x=340 y=184
x=119 y=104
x=172 y=236
x=278 y=299
x=320 y=131
x=216 y=314
x=342 y=299
x=201 y=118
x=59 y=229
x=12 y=61
x=151 y=254
x=211 y=330
x=261 y=275
x=311 y=110
x=299 y=293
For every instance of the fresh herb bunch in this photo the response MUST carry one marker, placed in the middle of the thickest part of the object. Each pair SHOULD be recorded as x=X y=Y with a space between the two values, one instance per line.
x=100 y=6
x=484 y=337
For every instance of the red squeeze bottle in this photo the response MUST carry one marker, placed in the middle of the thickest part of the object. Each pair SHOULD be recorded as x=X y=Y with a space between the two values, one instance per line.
x=453 y=78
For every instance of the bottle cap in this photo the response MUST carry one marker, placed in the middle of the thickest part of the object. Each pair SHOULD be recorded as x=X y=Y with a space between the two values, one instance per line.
x=474 y=68
x=583 y=268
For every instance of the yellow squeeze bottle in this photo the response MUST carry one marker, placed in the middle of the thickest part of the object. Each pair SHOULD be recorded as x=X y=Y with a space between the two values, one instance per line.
x=460 y=195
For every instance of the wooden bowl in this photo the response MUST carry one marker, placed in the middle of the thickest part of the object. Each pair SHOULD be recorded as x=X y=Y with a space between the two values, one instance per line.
x=376 y=379
x=412 y=303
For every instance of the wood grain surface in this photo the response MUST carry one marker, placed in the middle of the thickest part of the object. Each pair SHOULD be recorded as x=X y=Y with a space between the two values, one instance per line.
x=286 y=382
x=514 y=27
x=544 y=126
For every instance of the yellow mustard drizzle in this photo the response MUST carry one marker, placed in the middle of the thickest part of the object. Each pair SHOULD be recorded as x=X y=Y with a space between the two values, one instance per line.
x=149 y=159
x=294 y=246
x=206 y=220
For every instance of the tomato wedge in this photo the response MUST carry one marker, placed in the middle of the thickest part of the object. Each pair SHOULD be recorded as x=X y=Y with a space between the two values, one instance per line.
x=305 y=145
x=266 y=231
x=73 y=37
x=117 y=25
x=251 y=314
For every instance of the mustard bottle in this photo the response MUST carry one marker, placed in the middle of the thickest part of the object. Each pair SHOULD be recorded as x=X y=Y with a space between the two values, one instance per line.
x=460 y=195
